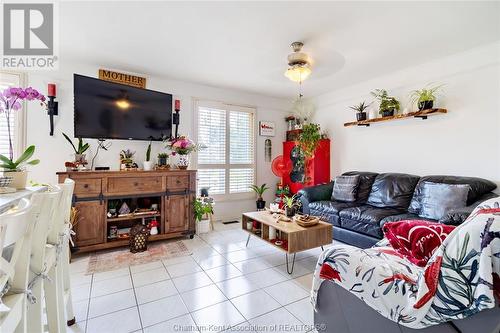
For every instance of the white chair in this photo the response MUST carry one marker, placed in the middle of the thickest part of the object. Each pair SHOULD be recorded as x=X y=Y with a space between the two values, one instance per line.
x=43 y=257
x=15 y=243
x=58 y=293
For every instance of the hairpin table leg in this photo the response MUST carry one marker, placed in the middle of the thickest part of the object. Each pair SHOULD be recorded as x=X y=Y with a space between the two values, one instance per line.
x=248 y=239
x=293 y=263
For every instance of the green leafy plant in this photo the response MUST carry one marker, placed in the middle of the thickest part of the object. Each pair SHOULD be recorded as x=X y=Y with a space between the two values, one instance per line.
x=309 y=139
x=201 y=208
x=361 y=107
x=291 y=202
x=18 y=165
x=82 y=147
x=259 y=190
x=425 y=94
x=148 y=152
x=387 y=103
x=162 y=155
x=126 y=156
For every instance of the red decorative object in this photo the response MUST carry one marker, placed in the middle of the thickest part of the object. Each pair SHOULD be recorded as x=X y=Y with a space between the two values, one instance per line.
x=416 y=239
x=177 y=105
x=51 y=90
x=319 y=166
x=280 y=167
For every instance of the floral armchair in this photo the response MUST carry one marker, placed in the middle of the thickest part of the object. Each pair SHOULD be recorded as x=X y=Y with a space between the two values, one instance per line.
x=460 y=280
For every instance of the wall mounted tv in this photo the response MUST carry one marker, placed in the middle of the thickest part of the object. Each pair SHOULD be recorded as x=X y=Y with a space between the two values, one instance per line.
x=107 y=110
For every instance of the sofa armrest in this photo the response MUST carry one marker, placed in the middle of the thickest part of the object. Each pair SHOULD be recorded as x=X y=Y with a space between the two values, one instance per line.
x=459 y=215
x=314 y=193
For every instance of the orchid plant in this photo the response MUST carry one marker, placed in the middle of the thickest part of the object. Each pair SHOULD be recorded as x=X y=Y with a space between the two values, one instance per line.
x=183 y=146
x=11 y=101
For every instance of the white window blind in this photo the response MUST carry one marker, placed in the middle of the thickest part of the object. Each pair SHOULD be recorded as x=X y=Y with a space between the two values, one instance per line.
x=227 y=165
x=10 y=80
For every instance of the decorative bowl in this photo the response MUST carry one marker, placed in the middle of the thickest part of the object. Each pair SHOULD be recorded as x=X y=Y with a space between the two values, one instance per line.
x=306 y=220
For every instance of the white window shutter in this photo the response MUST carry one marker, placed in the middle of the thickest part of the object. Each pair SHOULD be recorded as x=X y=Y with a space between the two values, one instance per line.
x=8 y=80
x=227 y=165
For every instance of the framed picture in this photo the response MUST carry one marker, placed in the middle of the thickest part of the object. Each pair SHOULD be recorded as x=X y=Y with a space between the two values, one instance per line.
x=267 y=128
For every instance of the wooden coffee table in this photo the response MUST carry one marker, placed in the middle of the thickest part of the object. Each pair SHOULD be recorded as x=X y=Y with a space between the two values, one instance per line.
x=295 y=238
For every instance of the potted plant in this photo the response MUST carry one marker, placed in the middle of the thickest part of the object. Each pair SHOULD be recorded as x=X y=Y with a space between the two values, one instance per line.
x=147 y=164
x=259 y=190
x=308 y=143
x=424 y=98
x=183 y=147
x=360 y=110
x=201 y=208
x=80 y=151
x=126 y=159
x=10 y=101
x=162 y=159
x=291 y=205
x=17 y=169
x=388 y=105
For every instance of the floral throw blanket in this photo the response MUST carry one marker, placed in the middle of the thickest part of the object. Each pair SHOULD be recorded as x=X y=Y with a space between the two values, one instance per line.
x=460 y=279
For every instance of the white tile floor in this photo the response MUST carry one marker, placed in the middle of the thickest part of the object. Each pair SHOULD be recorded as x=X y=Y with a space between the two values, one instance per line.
x=222 y=286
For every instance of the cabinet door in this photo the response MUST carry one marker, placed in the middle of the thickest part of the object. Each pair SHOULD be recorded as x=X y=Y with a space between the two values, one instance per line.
x=177 y=210
x=91 y=226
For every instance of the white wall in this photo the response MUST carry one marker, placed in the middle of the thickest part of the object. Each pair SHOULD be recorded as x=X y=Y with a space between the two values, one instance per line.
x=466 y=141
x=54 y=151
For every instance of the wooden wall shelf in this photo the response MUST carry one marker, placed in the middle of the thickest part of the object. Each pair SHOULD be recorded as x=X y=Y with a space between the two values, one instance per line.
x=417 y=114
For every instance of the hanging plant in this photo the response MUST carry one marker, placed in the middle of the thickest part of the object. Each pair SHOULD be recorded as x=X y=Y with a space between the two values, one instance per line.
x=308 y=143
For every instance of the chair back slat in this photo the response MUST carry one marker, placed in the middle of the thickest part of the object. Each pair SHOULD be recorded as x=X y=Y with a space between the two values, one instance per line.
x=15 y=228
x=44 y=211
x=63 y=211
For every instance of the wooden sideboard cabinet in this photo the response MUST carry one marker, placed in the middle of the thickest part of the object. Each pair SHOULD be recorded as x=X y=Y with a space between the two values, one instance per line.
x=173 y=191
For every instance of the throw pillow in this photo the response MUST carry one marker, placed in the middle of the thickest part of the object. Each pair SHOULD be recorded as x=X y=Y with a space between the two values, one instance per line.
x=345 y=188
x=416 y=239
x=439 y=198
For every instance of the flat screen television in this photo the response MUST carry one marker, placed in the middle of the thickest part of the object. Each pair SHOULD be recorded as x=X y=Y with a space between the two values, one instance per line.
x=107 y=110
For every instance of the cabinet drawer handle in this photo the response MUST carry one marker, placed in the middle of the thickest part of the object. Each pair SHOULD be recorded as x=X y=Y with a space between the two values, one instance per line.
x=86 y=186
x=136 y=184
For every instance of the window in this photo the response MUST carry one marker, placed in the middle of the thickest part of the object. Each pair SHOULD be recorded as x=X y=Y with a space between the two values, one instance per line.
x=9 y=79
x=227 y=165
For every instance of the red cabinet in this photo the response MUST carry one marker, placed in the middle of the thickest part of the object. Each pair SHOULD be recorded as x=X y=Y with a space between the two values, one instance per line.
x=318 y=166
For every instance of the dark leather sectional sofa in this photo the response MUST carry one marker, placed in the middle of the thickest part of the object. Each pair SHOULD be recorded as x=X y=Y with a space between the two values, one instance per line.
x=383 y=198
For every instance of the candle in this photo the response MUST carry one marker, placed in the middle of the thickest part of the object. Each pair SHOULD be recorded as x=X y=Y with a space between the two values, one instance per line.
x=177 y=105
x=52 y=90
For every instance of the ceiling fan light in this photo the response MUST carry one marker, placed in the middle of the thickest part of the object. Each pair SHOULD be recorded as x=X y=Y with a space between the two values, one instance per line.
x=298 y=73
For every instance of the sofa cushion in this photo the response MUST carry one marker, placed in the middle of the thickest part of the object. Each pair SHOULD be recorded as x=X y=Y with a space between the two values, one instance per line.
x=345 y=188
x=366 y=180
x=329 y=210
x=392 y=190
x=438 y=199
x=366 y=219
x=478 y=187
x=402 y=217
x=417 y=240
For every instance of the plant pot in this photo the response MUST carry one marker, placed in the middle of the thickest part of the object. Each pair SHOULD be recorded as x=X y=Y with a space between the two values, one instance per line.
x=202 y=227
x=80 y=158
x=361 y=116
x=147 y=165
x=425 y=105
x=162 y=161
x=261 y=204
x=388 y=113
x=290 y=211
x=183 y=162
x=19 y=179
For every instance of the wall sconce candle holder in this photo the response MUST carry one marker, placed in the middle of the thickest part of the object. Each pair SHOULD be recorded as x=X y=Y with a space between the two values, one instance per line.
x=52 y=106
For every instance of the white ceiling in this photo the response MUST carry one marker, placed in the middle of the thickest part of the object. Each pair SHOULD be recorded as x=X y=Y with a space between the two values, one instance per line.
x=243 y=45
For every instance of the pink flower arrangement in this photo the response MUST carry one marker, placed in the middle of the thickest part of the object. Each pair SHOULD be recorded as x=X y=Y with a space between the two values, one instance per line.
x=11 y=100
x=183 y=146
